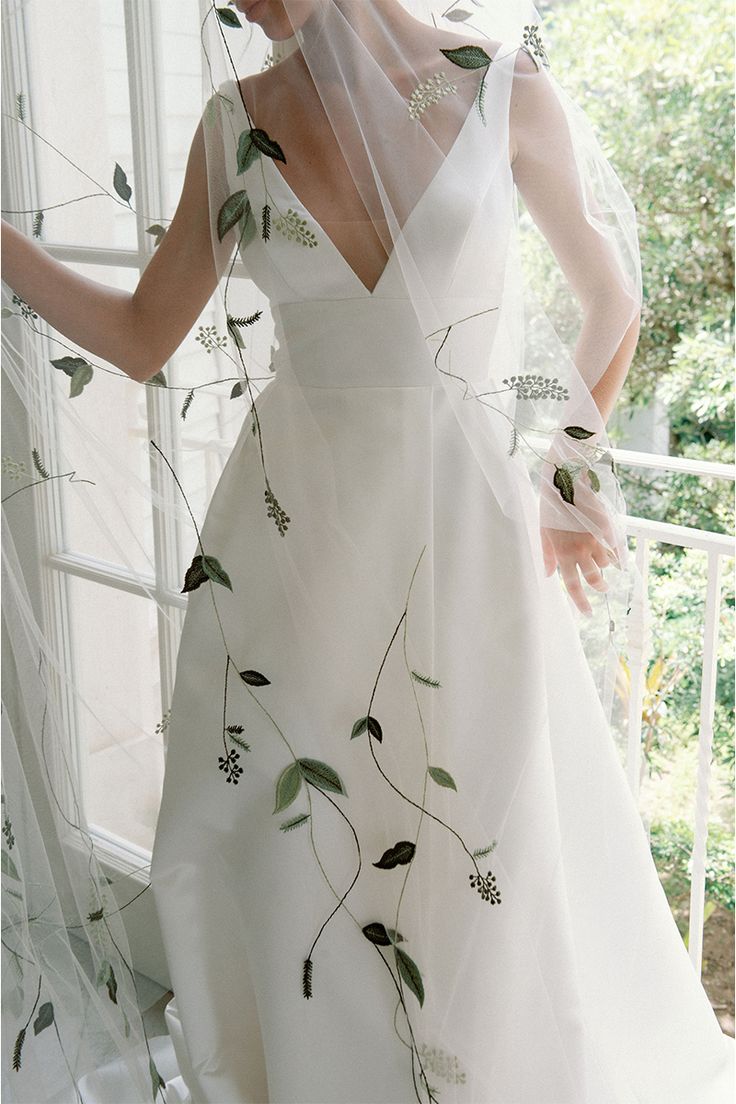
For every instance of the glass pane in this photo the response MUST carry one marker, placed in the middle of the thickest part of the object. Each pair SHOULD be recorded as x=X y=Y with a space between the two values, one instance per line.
x=115 y=527
x=115 y=647
x=78 y=100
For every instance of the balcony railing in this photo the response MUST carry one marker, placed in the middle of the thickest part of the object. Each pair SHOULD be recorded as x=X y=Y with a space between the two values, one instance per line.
x=718 y=547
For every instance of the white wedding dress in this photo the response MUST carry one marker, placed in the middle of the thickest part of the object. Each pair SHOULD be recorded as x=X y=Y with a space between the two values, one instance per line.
x=559 y=979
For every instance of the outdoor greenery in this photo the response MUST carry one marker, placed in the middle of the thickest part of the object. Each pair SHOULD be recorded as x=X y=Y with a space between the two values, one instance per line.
x=656 y=81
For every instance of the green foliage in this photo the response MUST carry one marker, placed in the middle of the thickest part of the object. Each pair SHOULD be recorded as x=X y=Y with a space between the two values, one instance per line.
x=672 y=845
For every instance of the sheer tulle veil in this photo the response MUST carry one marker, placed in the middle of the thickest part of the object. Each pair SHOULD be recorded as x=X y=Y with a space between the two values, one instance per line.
x=389 y=93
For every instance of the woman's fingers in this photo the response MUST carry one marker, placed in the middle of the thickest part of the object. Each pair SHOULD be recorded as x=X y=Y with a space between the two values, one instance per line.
x=571 y=579
x=548 y=552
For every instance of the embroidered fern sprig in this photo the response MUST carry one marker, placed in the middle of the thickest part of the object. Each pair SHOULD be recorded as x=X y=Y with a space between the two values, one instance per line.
x=295 y=228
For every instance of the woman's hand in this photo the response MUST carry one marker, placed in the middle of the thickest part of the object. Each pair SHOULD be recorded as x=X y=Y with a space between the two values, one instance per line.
x=578 y=538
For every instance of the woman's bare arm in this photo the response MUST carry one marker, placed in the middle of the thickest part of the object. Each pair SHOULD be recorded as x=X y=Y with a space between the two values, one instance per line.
x=137 y=331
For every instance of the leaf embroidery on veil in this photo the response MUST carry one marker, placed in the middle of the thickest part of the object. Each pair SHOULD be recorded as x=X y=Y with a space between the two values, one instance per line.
x=430 y=92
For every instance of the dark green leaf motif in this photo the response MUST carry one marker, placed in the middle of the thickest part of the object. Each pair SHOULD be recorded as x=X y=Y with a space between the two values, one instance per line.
x=401 y=853
x=203 y=568
x=457 y=15
x=579 y=433
x=159 y=379
x=376 y=933
x=562 y=480
x=44 y=1018
x=9 y=867
x=267 y=145
x=106 y=976
x=82 y=376
x=68 y=364
x=248 y=151
x=228 y=18
x=442 y=778
x=595 y=482
x=321 y=776
x=254 y=678
x=232 y=210
x=468 y=57
x=294 y=822
x=288 y=786
x=410 y=973
x=369 y=724
x=120 y=183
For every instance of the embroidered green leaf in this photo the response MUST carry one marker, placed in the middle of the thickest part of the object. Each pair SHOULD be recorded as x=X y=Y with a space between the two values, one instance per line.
x=320 y=775
x=18 y=1048
x=295 y=822
x=157 y=1081
x=594 y=480
x=195 y=575
x=158 y=231
x=442 y=778
x=44 y=1018
x=248 y=227
x=8 y=866
x=377 y=934
x=228 y=18
x=249 y=321
x=562 y=480
x=267 y=145
x=237 y=390
x=425 y=679
x=20 y=105
x=254 y=678
x=481 y=852
x=106 y=976
x=400 y=854
x=513 y=441
x=37 y=224
x=394 y=935
x=480 y=97
x=266 y=222
x=578 y=432
x=369 y=724
x=295 y=229
x=248 y=151
x=457 y=15
x=307 y=978
x=69 y=364
x=288 y=786
x=231 y=211
x=6 y=312
x=120 y=183
x=216 y=572
x=158 y=380
x=468 y=57
x=410 y=973
x=186 y=404
x=82 y=375
x=39 y=464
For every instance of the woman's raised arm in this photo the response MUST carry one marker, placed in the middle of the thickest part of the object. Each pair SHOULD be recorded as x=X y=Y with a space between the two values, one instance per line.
x=138 y=331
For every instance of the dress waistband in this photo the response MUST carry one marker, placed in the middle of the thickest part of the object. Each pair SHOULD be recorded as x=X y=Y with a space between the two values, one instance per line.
x=352 y=343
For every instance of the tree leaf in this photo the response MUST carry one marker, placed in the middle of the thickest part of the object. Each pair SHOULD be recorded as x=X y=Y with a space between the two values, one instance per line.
x=120 y=183
x=288 y=786
x=254 y=678
x=8 y=866
x=401 y=853
x=267 y=145
x=195 y=576
x=231 y=212
x=410 y=973
x=467 y=57
x=579 y=433
x=320 y=775
x=69 y=364
x=248 y=151
x=82 y=375
x=228 y=18
x=216 y=572
x=442 y=778
x=562 y=480
x=377 y=934
x=295 y=822
x=44 y=1018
